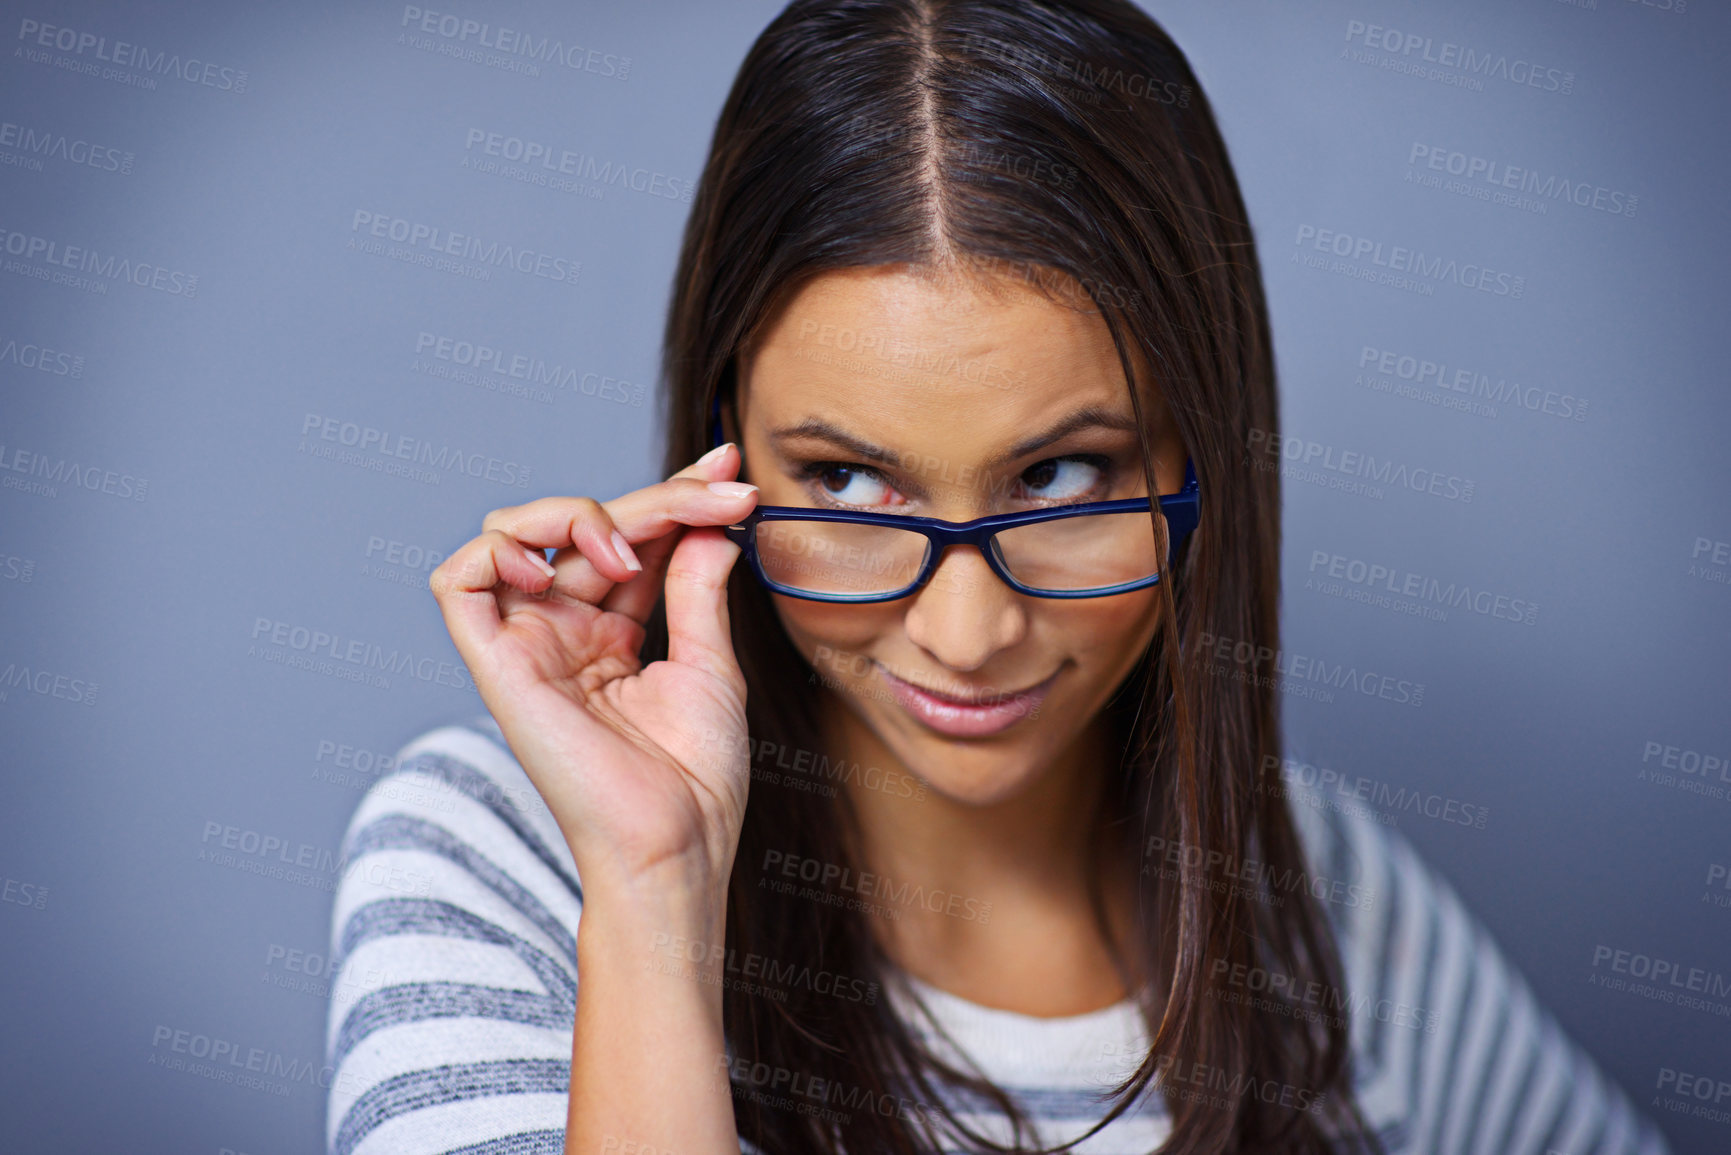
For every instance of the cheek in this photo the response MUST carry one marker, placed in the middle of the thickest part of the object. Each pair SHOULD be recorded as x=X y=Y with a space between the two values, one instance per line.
x=830 y=635
x=1106 y=629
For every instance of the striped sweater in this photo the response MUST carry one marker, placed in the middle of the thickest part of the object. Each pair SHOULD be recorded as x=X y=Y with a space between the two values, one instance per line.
x=454 y=992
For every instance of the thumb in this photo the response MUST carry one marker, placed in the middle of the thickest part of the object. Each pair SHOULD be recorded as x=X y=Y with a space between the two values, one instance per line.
x=698 y=629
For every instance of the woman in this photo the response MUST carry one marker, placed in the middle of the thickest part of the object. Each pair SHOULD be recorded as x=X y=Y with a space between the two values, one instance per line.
x=952 y=261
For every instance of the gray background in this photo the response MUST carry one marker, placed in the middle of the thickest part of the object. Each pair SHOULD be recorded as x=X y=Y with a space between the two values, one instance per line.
x=123 y=915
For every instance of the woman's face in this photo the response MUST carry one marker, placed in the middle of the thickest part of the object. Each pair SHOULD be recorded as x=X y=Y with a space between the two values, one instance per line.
x=886 y=390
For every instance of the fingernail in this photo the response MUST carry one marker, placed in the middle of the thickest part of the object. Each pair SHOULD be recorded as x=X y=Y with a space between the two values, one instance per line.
x=539 y=559
x=623 y=549
x=732 y=488
x=714 y=453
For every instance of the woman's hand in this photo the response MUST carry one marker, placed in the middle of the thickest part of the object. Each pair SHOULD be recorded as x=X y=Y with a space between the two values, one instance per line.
x=642 y=767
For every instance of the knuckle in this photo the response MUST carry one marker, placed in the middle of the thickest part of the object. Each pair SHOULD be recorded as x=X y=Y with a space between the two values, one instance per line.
x=682 y=494
x=690 y=578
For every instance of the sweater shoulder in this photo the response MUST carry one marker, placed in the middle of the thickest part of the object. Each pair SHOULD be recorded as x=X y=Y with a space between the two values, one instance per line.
x=453 y=955
x=1451 y=1048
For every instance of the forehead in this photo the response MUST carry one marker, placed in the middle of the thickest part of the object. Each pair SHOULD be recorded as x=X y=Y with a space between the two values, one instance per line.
x=893 y=348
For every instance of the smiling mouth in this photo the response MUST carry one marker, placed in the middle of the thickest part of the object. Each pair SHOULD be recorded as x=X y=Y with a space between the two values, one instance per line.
x=980 y=716
x=985 y=698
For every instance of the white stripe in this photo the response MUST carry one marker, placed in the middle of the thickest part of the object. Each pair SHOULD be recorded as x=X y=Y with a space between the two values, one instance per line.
x=1478 y=1027
x=474 y=822
x=417 y=958
x=1510 y=1063
x=1073 y=1052
x=1541 y=1103
x=1369 y=975
x=419 y=1046
x=486 y=756
x=1448 y=979
x=518 y=796
x=454 y=884
x=1620 y=1132
x=1586 y=1105
x=414 y=958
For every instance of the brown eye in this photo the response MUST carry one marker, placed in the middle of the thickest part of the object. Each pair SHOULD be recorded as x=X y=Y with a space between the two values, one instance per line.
x=835 y=478
x=1040 y=474
x=849 y=484
x=1068 y=478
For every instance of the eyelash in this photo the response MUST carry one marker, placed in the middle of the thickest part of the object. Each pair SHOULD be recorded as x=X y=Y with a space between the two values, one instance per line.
x=810 y=472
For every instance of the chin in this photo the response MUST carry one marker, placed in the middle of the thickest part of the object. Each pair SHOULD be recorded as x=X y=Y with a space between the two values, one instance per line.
x=973 y=772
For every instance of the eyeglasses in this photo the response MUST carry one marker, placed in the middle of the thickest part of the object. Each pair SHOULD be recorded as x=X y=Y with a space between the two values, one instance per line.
x=1085 y=550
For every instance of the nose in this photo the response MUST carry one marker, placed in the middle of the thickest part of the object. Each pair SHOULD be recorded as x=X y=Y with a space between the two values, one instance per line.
x=965 y=614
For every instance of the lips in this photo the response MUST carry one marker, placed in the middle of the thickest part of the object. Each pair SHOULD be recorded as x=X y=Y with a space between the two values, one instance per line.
x=978 y=716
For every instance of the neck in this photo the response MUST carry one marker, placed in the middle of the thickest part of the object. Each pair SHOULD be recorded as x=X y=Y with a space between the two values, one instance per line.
x=1027 y=856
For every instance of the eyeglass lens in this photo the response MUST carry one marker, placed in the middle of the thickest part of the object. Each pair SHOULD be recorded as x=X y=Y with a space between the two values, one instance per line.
x=1072 y=554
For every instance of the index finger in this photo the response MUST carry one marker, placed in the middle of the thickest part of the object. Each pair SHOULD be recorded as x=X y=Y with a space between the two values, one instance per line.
x=640 y=515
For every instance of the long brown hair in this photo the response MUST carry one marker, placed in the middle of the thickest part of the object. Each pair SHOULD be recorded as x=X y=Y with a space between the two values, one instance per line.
x=1003 y=135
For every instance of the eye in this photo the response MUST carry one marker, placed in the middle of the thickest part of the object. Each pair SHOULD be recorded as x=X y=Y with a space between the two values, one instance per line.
x=847 y=484
x=1064 y=478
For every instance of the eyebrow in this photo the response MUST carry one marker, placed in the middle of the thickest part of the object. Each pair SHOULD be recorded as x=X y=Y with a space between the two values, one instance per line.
x=1087 y=417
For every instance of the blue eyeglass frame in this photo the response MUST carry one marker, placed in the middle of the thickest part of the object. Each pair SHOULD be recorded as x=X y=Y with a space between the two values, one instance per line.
x=1179 y=509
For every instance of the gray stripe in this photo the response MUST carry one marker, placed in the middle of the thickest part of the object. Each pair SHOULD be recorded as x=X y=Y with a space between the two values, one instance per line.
x=1402 y=882
x=1409 y=886
x=426 y=916
x=402 y=832
x=460 y=775
x=390 y=916
x=522 y=1143
x=452 y=1083
x=1390 y=888
x=413 y=1002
